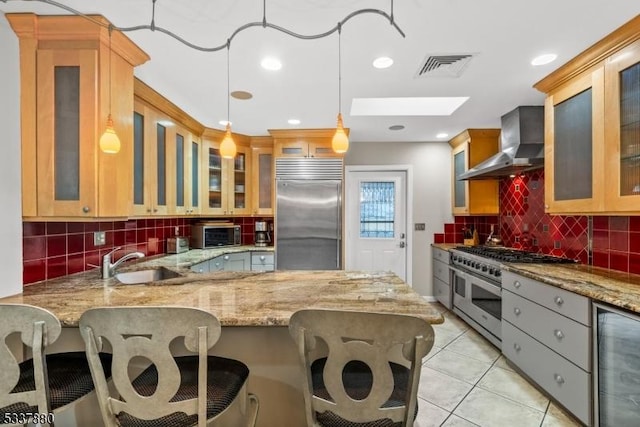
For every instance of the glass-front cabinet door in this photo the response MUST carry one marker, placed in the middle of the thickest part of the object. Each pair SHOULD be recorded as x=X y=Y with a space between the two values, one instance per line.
x=66 y=100
x=185 y=198
x=574 y=121
x=239 y=202
x=622 y=138
x=460 y=188
x=262 y=180
x=215 y=183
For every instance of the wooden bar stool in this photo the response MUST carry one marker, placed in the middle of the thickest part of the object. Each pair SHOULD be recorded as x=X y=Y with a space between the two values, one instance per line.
x=360 y=369
x=42 y=385
x=196 y=389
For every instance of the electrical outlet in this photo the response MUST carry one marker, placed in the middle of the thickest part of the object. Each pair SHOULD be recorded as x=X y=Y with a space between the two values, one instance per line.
x=419 y=226
x=177 y=231
x=99 y=238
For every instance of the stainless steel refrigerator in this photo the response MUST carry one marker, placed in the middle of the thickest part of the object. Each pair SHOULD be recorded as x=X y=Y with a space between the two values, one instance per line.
x=308 y=216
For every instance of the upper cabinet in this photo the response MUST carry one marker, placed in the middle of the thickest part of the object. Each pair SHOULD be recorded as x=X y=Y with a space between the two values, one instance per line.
x=477 y=197
x=592 y=128
x=65 y=64
x=262 y=176
x=166 y=157
x=304 y=142
x=226 y=182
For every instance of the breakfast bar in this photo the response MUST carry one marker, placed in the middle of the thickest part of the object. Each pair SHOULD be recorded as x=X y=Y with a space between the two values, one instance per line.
x=253 y=308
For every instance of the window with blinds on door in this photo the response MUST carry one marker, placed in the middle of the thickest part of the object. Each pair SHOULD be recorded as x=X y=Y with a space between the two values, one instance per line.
x=377 y=209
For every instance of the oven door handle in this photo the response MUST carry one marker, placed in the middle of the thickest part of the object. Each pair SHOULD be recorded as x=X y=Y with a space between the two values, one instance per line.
x=458 y=272
x=489 y=287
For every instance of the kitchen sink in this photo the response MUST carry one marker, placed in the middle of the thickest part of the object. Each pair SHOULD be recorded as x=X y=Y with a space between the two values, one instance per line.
x=146 y=276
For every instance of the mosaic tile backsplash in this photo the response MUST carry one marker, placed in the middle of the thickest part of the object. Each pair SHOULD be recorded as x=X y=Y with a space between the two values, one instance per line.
x=523 y=224
x=55 y=249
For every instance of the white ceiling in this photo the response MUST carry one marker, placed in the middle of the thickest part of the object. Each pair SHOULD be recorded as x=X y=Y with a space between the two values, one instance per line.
x=502 y=35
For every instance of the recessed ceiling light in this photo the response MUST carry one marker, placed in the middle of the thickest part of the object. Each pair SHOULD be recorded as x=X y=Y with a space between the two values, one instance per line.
x=293 y=121
x=165 y=123
x=225 y=122
x=427 y=106
x=383 y=62
x=396 y=127
x=544 y=59
x=241 y=94
x=271 y=63
x=442 y=135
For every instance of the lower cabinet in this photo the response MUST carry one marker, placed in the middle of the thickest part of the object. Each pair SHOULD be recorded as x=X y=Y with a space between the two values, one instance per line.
x=262 y=261
x=237 y=261
x=546 y=333
x=441 y=285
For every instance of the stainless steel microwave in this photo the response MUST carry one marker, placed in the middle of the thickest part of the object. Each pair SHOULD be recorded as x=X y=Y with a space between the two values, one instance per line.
x=206 y=236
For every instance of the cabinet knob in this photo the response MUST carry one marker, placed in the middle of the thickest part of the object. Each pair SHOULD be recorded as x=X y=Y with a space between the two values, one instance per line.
x=517 y=347
x=226 y=257
x=201 y=270
x=262 y=257
x=546 y=206
x=155 y=210
x=558 y=378
x=558 y=300
x=558 y=334
x=517 y=311
x=149 y=210
x=86 y=209
x=517 y=284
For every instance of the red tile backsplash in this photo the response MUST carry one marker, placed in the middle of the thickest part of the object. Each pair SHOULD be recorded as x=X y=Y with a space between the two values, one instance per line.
x=523 y=224
x=54 y=249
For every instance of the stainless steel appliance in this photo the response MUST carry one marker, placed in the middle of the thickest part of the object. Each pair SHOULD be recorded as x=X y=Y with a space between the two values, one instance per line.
x=476 y=273
x=262 y=235
x=212 y=235
x=308 y=215
x=177 y=245
x=616 y=367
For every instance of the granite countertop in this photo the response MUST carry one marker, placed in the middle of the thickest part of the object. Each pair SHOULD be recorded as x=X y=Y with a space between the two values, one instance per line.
x=242 y=298
x=600 y=284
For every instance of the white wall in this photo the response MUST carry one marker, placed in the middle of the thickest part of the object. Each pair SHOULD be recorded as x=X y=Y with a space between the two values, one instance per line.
x=10 y=191
x=431 y=193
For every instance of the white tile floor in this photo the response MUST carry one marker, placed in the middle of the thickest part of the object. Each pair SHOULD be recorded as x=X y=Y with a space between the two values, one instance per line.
x=465 y=381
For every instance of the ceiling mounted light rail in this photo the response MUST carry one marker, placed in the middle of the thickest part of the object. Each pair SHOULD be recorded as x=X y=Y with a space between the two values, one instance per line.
x=264 y=23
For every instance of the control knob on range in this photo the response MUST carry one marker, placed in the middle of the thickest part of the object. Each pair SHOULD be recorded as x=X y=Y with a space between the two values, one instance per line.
x=484 y=268
x=498 y=273
x=491 y=270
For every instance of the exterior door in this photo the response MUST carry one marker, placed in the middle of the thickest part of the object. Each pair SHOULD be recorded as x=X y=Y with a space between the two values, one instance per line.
x=376 y=224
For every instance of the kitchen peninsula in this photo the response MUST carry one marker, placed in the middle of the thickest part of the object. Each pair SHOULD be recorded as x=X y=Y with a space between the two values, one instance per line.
x=253 y=308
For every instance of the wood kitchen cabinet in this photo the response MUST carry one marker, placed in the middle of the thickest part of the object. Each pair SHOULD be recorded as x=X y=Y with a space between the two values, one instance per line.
x=166 y=156
x=304 y=142
x=65 y=64
x=592 y=128
x=225 y=182
x=477 y=197
x=262 y=176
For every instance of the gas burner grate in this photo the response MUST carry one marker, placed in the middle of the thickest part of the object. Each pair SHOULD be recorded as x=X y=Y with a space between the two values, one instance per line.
x=513 y=255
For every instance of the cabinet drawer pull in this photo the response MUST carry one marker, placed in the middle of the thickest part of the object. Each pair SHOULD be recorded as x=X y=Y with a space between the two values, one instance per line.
x=558 y=333
x=517 y=347
x=517 y=311
x=262 y=258
x=517 y=284
x=558 y=300
x=86 y=209
x=558 y=378
x=226 y=257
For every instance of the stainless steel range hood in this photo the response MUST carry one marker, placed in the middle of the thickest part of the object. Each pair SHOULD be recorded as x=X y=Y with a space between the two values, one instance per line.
x=521 y=145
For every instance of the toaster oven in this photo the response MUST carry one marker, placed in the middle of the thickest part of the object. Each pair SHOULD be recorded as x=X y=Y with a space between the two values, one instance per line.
x=206 y=236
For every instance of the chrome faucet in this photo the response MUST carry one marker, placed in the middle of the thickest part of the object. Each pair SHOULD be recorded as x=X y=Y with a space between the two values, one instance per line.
x=108 y=269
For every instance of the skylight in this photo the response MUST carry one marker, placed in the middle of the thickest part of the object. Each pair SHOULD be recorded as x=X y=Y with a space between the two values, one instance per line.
x=410 y=106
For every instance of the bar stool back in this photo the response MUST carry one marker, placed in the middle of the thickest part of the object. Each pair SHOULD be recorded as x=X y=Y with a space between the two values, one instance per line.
x=42 y=385
x=361 y=369
x=181 y=391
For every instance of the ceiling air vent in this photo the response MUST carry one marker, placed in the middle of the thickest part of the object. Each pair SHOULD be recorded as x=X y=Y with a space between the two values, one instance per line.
x=443 y=65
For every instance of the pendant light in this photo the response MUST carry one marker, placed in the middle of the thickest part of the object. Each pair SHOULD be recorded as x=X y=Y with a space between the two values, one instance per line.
x=109 y=141
x=340 y=141
x=228 y=146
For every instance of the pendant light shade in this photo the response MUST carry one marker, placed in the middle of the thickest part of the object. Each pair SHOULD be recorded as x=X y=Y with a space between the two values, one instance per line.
x=228 y=146
x=340 y=141
x=109 y=141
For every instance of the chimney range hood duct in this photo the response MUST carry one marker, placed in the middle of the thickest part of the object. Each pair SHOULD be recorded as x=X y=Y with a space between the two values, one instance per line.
x=521 y=146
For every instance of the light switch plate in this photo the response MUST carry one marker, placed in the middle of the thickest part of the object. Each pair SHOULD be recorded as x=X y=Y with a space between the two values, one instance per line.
x=99 y=238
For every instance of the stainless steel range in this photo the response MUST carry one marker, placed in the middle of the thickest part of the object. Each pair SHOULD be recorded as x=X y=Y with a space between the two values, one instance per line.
x=476 y=282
